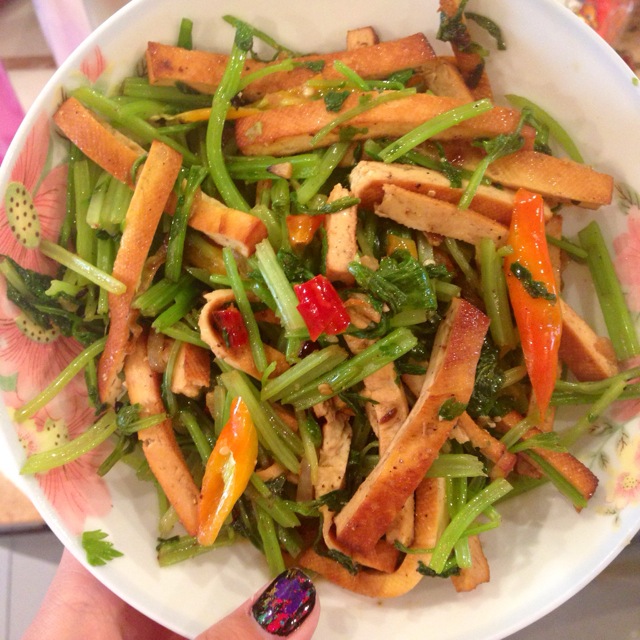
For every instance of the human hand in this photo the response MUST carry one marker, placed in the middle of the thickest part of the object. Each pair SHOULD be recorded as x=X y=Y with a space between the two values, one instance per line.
x=78 y=606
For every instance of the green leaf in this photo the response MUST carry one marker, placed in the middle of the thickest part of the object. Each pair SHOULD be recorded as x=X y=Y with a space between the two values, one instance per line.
x=98 y=549
x=333 y=100
x=535 y=288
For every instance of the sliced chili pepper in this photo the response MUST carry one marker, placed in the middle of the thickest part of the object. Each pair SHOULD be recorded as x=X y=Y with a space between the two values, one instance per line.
x=228 y=471
x=534 y=295
x=302 y=227
x=321 y=307
x=229 y=321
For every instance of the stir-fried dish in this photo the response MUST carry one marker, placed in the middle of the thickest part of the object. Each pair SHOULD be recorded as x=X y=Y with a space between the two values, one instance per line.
x=322 y=300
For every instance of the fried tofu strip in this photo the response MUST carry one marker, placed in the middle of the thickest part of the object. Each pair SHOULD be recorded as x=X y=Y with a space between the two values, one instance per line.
x=368 y=179
x=443 y=78
x=150 y=196
x=203 y=71
x=490 y=447
x=225 y=226
x=362 y=37
x=478 y=573
x=387 y=409
x=451 y=373
x=556 y=179
x=424 y=213
x=289 y=130
x=159 y=442
x=470 y=62
x=430 y=521
x=239 y=357
x=191 y=371
x=106 y=146
x=332 y=468
x=342 y=246
x=587 y=355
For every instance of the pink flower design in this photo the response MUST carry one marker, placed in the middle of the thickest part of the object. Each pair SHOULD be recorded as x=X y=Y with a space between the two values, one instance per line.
x=624 y=478
x=627 y=258
x=628 y=486
x=75 y=490
x=23 y=346
x=44 y=195
x=93 y=65
x=25 y=354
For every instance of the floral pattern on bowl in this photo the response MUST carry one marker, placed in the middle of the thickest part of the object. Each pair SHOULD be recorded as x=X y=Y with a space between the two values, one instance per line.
x=33 y=207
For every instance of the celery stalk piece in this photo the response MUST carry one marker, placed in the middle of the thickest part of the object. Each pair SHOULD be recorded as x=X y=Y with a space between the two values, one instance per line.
x=310 y=453
x=573 y=250
x=464 y=518
x=350 y=372
x=581 y=427
x=190 y=423
x=495 y=295
x=270 y=542
x=95 y=435
x=248 y=317
x=329 y=162
x=281 y=290
x=184 y=302
x=145 y=131
x=227 y=89
x=617 y=317
x=168 y=396
x=135 y=87
x=456 y=465
x=309 y=368
x=432 y=127
x=178 y=229
x=180 y=331
x=555 y=129
x=81 y=267
x=175 y=550
x=60 y=382
x=559 y=481
x=185 y=34
x=159 y=295
x=277 y=508
x=258 y=74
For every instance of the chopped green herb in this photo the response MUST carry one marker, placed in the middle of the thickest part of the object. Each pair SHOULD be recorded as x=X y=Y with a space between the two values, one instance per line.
x=451 y=408
x=535 y=288
x=98 y=549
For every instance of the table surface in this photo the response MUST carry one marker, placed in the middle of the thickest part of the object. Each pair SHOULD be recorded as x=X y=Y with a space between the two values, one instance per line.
x=608 y=608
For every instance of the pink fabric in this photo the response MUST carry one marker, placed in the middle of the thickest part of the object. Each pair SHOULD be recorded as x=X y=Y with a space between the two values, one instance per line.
x=12 y=112
x=65 y=25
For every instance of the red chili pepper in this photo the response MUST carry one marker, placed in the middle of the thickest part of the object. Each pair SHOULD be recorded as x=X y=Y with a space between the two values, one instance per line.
x=229 y=321
x=534 y=295
x=228 y=471
x=321 y=307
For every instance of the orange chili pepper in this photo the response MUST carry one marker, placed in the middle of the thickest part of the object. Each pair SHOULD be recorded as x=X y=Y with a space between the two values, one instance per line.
x=534 y=295
x=228 y=471
x=302 y=228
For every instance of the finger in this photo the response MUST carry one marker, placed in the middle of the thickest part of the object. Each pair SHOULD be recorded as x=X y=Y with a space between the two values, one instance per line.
x=78 y=606
x=287 y=607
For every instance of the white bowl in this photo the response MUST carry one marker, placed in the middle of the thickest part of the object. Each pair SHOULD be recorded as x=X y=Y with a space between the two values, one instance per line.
x=544 y=552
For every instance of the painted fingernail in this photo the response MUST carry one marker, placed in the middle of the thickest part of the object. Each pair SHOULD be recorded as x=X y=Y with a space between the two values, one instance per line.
x=285 y=604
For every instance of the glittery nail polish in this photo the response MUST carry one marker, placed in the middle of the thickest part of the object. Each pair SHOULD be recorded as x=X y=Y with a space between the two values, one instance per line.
x=285 y=603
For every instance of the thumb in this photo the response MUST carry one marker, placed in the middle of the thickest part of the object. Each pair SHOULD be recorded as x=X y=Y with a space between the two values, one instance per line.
x=287 y=607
